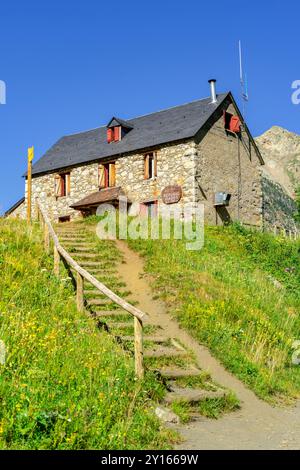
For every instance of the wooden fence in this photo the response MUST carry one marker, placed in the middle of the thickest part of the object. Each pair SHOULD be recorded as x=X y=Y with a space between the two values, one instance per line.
x=280 y=231
x=292 y=234
x=81 y=274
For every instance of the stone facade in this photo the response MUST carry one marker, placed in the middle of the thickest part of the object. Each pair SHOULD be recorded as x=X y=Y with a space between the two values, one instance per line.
x=83 y=181
x=175 y=166
x=223 y=164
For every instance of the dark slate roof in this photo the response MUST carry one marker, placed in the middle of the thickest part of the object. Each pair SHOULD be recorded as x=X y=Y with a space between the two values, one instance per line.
x=14 y=207
x=179 y=122
x=94 y=199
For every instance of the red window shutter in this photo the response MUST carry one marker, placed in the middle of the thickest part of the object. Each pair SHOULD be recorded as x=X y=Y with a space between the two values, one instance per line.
x=235 y=124
x=110 y=135
x=63 y=185
x=117 y=133
x=106 y=177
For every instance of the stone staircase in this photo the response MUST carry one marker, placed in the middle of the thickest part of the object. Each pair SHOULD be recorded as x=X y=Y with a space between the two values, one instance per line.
x=173 y=364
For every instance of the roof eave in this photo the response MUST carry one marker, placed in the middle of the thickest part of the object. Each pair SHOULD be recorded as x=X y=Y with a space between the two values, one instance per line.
x=14 y=207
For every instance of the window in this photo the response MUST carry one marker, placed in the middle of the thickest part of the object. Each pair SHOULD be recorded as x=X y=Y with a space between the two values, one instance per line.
x=150 y=166
x=107 y=175
x=113 y=134
x=232 y=123
x=64 y=218
x=62 y=185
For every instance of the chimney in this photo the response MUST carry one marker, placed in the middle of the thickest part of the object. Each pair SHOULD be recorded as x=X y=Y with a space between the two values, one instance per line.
x=212 y=83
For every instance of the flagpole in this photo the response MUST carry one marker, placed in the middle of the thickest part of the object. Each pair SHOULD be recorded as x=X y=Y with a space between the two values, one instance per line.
x=29 y=183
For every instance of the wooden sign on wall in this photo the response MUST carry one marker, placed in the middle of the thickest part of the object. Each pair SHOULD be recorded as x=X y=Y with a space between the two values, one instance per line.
x=171 y=194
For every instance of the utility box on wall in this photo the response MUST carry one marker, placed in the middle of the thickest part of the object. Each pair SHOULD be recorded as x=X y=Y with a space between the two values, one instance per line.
x=222 y=199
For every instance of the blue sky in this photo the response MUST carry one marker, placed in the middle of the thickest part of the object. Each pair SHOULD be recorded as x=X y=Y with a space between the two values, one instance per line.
x=70 y=66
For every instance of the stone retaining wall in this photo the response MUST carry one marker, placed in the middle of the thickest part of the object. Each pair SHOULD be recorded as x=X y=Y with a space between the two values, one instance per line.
x=278 y=207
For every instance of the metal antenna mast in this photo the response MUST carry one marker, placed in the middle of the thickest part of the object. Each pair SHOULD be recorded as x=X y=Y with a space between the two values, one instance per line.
x=243 y=82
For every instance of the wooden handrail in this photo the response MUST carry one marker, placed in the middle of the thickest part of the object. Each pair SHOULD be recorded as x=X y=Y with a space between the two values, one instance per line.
x=83 y=274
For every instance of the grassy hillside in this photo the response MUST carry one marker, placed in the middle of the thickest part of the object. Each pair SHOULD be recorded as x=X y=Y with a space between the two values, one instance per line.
x=239 y=296
x=64 y=385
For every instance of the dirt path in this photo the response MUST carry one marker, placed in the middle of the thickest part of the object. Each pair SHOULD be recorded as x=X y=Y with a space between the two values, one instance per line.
x=257 y=425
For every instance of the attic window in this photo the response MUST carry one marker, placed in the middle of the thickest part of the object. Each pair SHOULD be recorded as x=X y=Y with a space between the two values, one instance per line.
x=114 y=134
x=117 y=129
x=232 y=123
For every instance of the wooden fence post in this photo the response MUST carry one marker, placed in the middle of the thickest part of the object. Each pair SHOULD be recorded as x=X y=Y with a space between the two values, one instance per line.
x=138 y=347
x=46 y=238
x=56 y=260
x=79 y=293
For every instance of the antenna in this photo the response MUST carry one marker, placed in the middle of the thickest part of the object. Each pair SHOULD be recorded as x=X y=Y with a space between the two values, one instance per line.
x=243 y=82
x=241 y=64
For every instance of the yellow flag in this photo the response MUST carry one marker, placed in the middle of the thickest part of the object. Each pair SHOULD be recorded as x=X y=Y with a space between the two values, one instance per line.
x=30 y=154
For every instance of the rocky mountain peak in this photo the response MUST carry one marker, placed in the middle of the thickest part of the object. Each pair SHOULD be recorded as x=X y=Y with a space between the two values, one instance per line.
x=280 y=149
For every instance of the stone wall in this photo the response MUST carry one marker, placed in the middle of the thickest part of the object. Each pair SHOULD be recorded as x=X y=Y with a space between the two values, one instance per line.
x=278 y=207
x=224 y=165
x=83 y=181
x=175 y=166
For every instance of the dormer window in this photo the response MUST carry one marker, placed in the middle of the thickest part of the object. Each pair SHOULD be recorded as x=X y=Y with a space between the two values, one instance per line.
x=117 y=129
x=113 y=134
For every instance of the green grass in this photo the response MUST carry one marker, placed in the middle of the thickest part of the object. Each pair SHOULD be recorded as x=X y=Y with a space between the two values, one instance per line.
x=212 y=408
x=225 y=296
x=64 y=384
x=203 y=381
x=216 y=407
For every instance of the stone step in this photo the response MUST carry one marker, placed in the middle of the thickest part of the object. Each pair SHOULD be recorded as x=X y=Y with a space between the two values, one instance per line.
x=111 y=313
x=78 y=247
x=87 y=255
x=99 y=301
x=121 y=325
x=104 y=280
x=103 y=270
x=72 y=232
x=178 y=373
x=81 y=244
x=153 y=339
x=98 y=292
x=71 y=239
x=192 y=395
x=90 y=263
x=164 y=351
x=84 y=249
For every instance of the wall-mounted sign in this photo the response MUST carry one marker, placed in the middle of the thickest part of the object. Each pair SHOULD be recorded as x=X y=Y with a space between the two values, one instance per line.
x=171 y=194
